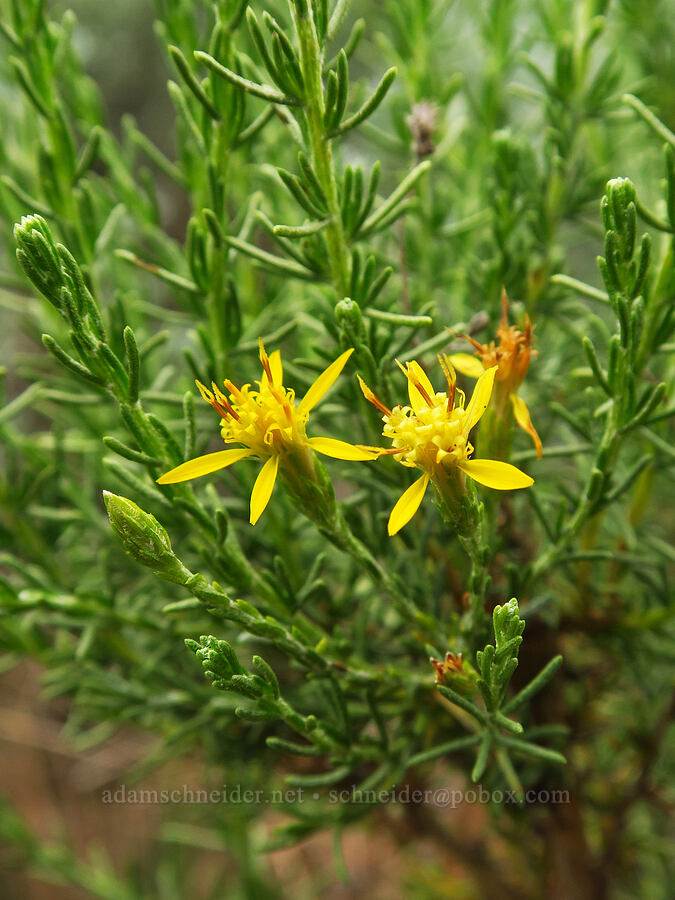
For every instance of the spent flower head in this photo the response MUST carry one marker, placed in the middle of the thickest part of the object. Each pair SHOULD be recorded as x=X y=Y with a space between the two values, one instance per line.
x=432 y=434
x=455 y=672
x=423 y=122
x=268 y=424
x=511 y=354
x=451 y=665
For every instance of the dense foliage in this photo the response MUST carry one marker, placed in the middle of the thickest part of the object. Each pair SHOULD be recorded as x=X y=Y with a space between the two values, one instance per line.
x=392 y=185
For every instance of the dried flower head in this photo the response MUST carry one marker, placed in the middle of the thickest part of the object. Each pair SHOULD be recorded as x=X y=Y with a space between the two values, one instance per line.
x=511 y=354
x=422 y=122
x=451 y=665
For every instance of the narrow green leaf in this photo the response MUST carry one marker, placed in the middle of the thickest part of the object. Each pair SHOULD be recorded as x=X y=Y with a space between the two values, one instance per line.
x=398 y=318
x=72 y=364
x=534 y=751
x=538 y=682
x=191 y=81
x=276 y=263
x=482 y=757
x=394 y=199
x=133 y=363
x=251 y=87
x=369 y=106
x=300 y=231
x=170 y=277
x=128 y=453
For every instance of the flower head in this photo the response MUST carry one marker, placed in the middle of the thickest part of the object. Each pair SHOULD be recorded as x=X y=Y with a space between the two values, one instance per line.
x=511 y=355
x=432 y=434
x=456 y=673
x=269 y=425
x=451 y=665
x=422 y=122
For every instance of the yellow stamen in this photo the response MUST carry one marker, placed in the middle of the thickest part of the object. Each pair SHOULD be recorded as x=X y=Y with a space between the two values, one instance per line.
x=451 y=379
x=223 y=401
x=371 y=398
x=264 y=359
x=222 y=409
x=505 y=308
x=412 y=373
x=234 y=390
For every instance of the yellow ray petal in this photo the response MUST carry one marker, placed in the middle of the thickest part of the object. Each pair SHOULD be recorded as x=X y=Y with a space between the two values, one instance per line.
x=467 y=364
x=495 y=474
x=522 y=414
x=204 y=465
x=323 y=382
x=480 y=398
x=418 y=401
x=277 y=369
x=407 y=505
x=341 y=449
x=263 y=487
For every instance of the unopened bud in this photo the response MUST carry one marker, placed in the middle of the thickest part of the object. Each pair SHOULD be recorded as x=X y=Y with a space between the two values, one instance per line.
x=348 y=317
x=144 y=538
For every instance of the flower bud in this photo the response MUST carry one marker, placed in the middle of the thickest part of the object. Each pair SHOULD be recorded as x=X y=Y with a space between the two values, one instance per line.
x=349 y=319
x=144 y=538
x=38 y=257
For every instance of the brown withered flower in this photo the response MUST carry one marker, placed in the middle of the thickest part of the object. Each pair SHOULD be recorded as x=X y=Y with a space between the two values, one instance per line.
x=451 y=665
x=422 y=122
x=512 y=353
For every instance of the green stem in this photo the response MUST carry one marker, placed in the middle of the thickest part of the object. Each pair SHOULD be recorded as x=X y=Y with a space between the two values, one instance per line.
x=311 y=490
x=462 y=510
x=342 y=536
x=653 y=308
x=586 y=505
x=322 y=158
x=476 y=548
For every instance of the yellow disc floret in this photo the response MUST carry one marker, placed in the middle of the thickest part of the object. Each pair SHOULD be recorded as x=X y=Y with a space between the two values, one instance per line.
x=263 y=419
x=431 y=437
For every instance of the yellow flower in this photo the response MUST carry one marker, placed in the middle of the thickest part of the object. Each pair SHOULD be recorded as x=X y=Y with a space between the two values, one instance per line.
x=432 y=434
x=270 y=426
x=512 y=358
